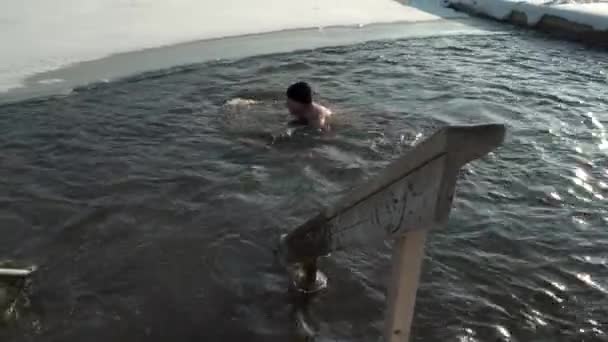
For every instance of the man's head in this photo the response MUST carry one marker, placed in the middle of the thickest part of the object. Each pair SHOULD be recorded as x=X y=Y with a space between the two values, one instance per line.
x=299 y=98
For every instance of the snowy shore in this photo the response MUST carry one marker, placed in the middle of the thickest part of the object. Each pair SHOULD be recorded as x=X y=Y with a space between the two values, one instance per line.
x=587 y=22
x=40 y=35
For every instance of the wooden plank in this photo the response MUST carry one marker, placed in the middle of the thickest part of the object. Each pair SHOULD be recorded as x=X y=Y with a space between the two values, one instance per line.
x=440 y=157
x=460 y=143
x=408 y=203
x=408 y=253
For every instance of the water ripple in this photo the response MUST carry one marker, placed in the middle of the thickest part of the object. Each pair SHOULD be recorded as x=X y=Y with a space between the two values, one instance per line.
x=153 y=203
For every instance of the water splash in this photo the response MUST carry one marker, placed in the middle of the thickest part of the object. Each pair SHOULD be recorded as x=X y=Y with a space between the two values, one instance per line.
x=587 y=279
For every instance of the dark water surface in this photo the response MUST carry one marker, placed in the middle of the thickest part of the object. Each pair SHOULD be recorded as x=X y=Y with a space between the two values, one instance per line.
x=152 y=205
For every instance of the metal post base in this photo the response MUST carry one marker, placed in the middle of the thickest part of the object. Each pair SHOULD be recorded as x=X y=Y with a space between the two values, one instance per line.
x=304 y=276
x=306 y=279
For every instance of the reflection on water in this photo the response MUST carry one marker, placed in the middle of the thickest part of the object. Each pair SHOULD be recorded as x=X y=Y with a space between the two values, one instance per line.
x=153 y=205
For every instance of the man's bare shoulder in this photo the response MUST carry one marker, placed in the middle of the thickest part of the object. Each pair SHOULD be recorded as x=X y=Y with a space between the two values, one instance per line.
x=322 y=110
x=321 y=114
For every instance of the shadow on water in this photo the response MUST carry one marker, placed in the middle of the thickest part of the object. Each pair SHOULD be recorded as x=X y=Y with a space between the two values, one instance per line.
x=152 y=205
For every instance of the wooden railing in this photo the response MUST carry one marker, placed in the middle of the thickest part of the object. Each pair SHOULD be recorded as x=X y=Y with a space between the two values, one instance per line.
x=412 y=196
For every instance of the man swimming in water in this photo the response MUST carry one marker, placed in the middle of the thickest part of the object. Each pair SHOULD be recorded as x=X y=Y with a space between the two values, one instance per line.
x=300 y=104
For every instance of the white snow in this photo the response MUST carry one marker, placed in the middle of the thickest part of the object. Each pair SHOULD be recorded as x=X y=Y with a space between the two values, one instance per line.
x=592 y=14
x=43 y=35
x=437 y=7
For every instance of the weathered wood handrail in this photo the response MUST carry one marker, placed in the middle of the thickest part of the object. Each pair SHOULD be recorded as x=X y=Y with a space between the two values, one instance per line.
x=412 y=196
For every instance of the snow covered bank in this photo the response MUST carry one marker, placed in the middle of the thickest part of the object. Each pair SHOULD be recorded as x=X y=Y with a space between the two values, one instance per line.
x=582 y=21
x=63 y=80
x=43 y=35
x=436 y=7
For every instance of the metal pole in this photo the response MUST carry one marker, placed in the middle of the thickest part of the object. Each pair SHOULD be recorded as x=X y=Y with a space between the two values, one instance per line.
x=15 y=273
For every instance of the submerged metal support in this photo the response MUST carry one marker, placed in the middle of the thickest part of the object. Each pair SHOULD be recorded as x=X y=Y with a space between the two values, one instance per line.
x=15 y=272
x=310 y=275
x=412 y=196
x=13 y=283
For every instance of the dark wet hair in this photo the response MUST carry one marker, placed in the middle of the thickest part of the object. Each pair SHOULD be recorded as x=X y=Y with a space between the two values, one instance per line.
x=300 y=92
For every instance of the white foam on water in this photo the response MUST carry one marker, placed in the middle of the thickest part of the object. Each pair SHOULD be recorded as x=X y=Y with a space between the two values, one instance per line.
x=240 y=102
x=43 y=35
